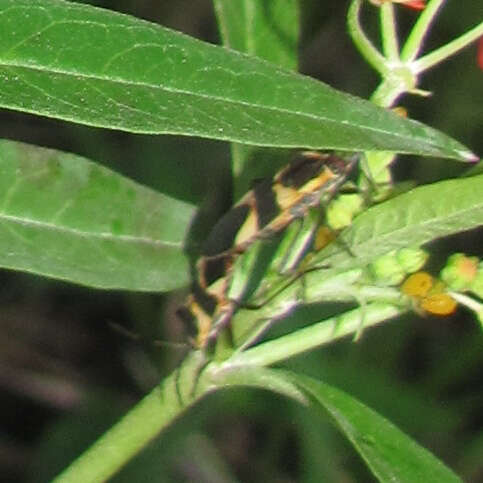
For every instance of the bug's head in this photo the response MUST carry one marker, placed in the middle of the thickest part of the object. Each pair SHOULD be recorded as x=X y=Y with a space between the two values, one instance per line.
x=341 y=167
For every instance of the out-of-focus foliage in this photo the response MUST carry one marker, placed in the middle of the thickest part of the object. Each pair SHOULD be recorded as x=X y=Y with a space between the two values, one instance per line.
x=65 y=368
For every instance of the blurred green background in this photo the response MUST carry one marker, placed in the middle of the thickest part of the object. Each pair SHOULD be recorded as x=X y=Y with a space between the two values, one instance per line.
x=66 y=374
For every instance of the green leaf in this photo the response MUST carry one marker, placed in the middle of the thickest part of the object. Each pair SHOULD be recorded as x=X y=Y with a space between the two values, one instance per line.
x=419 y=216
x=65 y=217
x=92 y=66
x=228 y=375
x=390 y=454
x=411 y=219
x=268 y=30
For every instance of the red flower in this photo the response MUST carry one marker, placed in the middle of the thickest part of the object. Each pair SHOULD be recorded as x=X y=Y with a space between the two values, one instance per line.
x=414 y=4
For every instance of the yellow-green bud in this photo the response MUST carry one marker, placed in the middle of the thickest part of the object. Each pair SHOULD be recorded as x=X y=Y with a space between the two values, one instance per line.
x=460 y=271
x=343 y=209
x=387 y=270
x=412 y=259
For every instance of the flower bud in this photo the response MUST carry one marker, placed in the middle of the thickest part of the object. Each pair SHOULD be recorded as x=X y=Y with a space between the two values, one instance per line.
x=412 y=259
x=387 y=270
x=460 y=271
x=342 y=210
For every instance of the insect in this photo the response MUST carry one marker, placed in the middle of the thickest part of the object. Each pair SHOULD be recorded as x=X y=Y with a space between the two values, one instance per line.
x=243 y=244
x=310 y=179
x=428 y=294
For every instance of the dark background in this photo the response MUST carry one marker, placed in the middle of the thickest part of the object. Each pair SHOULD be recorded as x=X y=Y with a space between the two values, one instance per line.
x=66 y=374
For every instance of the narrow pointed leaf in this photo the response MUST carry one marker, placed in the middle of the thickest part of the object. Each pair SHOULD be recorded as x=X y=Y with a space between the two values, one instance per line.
x=65 y=217
x=412 y=219
x=390 y=454
x=96 y=67
x=260 y=377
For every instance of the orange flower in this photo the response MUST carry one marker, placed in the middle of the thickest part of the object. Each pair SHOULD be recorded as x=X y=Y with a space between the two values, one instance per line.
x=416 y=4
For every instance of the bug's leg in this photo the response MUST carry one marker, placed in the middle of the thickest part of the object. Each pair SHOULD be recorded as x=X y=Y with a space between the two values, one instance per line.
x=287 y=262
x=242 y=279
x=251 y=268
x=300 y=243
x=221 y=323
x=263 y=325
x=139 y=338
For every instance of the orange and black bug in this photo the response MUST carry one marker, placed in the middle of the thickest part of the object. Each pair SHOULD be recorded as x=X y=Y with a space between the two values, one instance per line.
x=201 y=307
x=273 y=204
x=310 y=180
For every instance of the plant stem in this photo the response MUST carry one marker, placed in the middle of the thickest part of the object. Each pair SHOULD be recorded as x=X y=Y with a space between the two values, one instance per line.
x=338 y=288
x=415 y=39
x=315 y=335
x=447 y=50
x=390 y=45
x=362 y=42
x=469 y=302
x=142 y=423
x=387 y=94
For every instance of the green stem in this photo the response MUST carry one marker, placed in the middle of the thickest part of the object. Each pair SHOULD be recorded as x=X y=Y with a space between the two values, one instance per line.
x=447 y=50
x=390 y=45
x=361 y=41
x=415 y=40
x=469 y=302
x=315 y=335
x=387 y=94
x=314 y=288
x=238 y=160
x=142 y=424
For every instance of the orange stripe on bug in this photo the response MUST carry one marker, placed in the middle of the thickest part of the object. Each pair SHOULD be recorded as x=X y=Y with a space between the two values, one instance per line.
x=323 y=237
x=309 y=180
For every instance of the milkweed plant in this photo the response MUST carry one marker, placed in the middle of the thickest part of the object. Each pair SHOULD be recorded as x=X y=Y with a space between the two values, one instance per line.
x=71 y=219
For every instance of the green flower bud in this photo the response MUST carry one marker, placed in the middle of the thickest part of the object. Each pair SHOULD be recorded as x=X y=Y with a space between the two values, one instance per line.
x=387 y=270
x=460 y=271
x=412 y=259
x=343 y=209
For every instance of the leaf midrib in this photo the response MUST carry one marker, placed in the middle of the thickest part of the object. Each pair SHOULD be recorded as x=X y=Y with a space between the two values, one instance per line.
x=212 y=97
x=438 y=219
x=86 y=234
